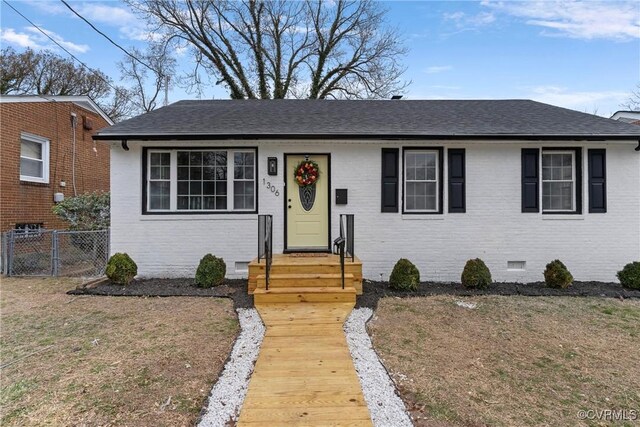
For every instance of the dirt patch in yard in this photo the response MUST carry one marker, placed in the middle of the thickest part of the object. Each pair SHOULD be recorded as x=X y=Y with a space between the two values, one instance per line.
x=80 y=360
x=373 y=291
x=234 y=289
x=511 y=360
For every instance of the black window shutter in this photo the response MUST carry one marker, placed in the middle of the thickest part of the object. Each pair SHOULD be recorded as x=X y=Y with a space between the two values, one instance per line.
x=597 y=181
x=530 y=180
x=390 y=179
x=457 y=202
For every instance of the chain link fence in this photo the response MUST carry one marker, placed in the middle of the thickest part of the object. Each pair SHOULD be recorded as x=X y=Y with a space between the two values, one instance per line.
x=55 y=253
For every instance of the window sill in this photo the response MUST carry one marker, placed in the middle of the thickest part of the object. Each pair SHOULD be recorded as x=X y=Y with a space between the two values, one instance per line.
x=435 y=217
x=34 y=182
x=562 y=217
x=251 y=216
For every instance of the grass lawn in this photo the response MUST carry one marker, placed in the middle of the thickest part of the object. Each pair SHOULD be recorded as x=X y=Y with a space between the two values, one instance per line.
x=107 y=360
x=525 y=361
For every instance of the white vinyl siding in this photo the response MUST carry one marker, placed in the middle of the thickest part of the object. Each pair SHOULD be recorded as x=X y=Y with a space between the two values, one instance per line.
x=202 y=180
x=421 y=181
x=34 y=158
x=558 y=181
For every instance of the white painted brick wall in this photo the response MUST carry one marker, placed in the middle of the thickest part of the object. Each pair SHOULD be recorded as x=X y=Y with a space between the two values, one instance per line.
x=593 y=246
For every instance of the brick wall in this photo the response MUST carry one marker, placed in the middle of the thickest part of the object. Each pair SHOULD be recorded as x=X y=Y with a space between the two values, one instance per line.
x=27 y=202
x=593 y=246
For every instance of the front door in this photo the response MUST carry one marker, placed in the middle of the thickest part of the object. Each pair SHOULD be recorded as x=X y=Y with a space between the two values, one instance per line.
x=307 y=206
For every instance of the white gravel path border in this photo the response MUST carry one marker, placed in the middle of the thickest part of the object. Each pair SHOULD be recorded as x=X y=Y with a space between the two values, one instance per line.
x=385 y=405
x=228 y=393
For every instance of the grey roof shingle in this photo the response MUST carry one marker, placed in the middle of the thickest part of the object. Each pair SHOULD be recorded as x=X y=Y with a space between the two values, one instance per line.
x=370 y=118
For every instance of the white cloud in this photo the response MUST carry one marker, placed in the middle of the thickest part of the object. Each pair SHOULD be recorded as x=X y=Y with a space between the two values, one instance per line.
x=73 y=47
x=34 y=39
x=438 y=69
x=9 y=36
x=470 y=22
x=578 y=100
x=617 y=20
x=129 y=26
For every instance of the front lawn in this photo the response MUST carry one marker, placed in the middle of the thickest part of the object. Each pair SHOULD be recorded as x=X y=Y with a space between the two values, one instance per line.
x=511 y=360
x=86 y=360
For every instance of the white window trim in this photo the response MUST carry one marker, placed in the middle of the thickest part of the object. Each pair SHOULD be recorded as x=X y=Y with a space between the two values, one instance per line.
x=573 y=181
x=233 y=179
x=173 y=198
x=45 y=157
x=171 y=180
x=404 y=181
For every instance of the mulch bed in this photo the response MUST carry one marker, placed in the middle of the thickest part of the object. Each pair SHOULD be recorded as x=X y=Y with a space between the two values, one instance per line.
x=234 y=289
x=373 y=291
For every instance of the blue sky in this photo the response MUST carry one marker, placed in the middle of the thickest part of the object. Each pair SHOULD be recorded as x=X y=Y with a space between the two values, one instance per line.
x=579 y=55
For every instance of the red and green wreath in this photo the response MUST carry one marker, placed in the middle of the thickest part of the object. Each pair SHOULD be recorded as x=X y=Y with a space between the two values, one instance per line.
x=306 y=173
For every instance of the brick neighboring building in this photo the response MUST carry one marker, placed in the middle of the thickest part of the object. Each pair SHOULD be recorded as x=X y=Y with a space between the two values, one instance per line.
x=37 y=156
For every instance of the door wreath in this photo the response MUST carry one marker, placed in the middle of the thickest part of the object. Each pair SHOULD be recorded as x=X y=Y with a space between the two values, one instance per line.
x=306 y=175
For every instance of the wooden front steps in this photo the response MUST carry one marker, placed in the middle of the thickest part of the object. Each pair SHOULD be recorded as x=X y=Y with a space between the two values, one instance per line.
x=303 y=277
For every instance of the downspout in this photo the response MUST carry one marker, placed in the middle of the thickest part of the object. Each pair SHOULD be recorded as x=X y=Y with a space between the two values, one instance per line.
x=74 y=119
x=638 y=147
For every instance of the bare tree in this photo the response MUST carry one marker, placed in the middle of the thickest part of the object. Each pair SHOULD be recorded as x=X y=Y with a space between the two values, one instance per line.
x=633 y=102
x=148 y=82
x=278 y=48
x=45 y=73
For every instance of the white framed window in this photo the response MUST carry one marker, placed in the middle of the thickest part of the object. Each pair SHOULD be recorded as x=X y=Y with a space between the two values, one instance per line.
x=34 y=158
x=421 y=183
x=244 y=180
x=200 y=180
x=159 y=184
x=558 y=181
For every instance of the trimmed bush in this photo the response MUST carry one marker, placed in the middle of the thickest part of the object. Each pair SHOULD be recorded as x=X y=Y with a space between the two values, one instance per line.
x=121 y=269
x=629 y=276
x=556 y=275
x=211 y=271
x=405 y=276
x=475 y=274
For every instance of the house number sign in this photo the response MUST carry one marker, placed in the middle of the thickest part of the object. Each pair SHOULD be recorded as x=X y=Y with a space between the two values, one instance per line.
x=271 y=187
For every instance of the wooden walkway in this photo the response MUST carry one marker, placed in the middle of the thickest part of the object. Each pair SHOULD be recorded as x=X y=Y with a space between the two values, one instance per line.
x=304 y=375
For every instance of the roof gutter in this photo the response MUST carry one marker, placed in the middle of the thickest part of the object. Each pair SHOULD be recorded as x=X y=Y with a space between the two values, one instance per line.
x=215 y=137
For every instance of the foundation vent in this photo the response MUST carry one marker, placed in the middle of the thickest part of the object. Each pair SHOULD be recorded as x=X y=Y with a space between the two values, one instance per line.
x=242 y=266
x=516 y=265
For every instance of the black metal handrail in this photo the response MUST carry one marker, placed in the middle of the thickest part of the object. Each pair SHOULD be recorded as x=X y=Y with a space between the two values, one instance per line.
x=265 y=243
x=345 y=239
x=346 y=231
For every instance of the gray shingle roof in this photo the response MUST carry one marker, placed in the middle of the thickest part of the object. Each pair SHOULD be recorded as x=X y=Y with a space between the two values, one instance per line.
x=379 y=118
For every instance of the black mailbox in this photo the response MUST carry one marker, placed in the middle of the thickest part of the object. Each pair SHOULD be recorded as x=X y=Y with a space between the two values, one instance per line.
x=341 y=196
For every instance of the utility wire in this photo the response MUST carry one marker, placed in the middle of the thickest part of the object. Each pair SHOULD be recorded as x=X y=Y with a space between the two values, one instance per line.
x=135 y=58
x=99 y=74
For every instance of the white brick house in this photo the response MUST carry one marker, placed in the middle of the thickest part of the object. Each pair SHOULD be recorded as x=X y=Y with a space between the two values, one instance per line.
x=515 y=182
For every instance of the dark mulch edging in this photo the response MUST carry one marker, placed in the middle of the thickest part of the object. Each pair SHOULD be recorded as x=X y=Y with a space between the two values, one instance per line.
x=373 y=291
x=234 y=289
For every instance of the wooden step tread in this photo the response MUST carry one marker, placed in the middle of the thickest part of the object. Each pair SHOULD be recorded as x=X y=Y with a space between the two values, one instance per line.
x=309 y=290
x=306 y=276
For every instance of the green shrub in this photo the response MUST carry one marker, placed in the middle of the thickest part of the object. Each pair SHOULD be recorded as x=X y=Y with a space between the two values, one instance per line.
x=211 y=271
x=475 y=274
x=121 y=269
x=629 y=276
x=405 y=276
x=89 y=211
x=556 y=275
